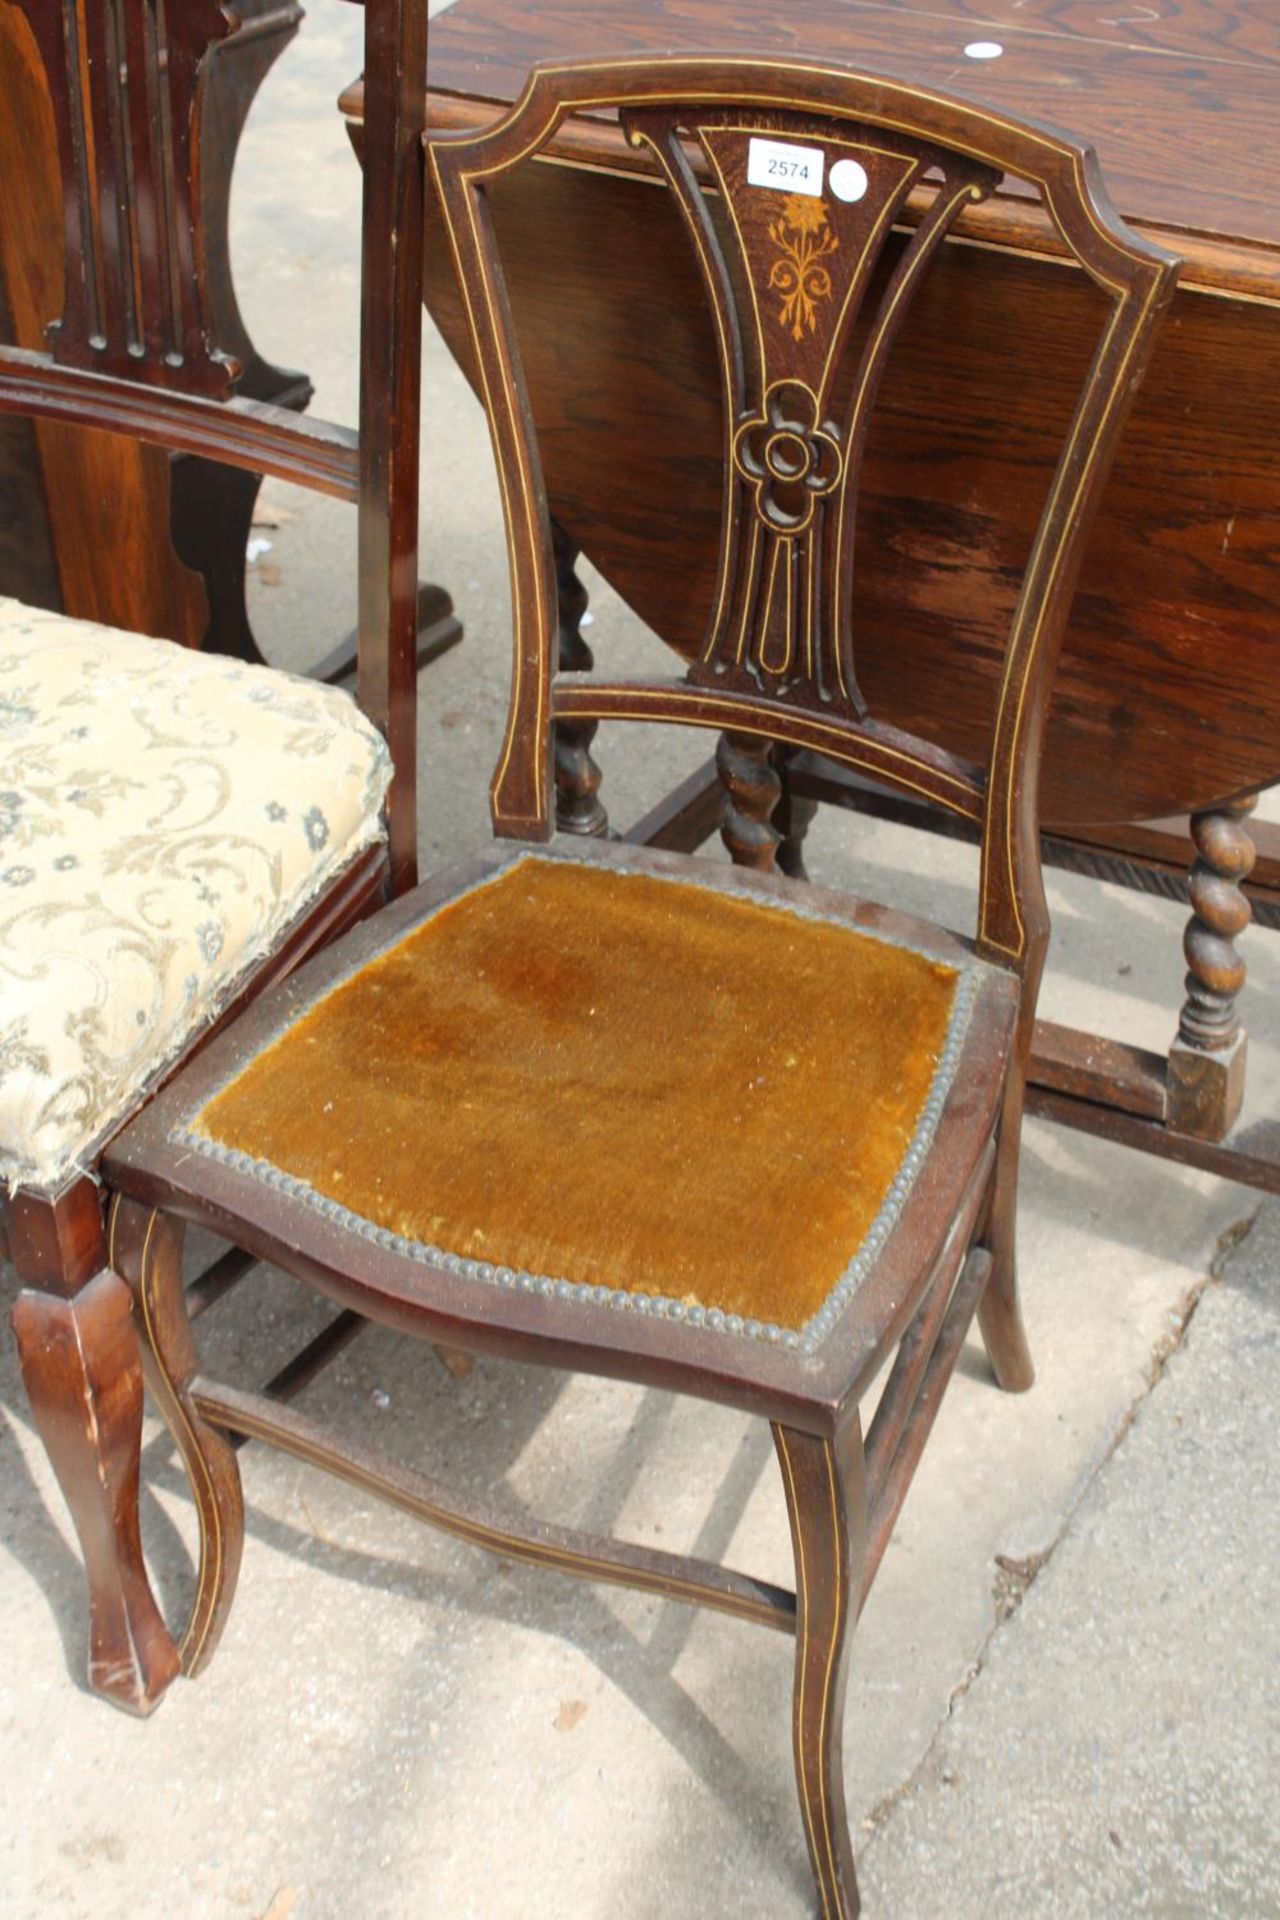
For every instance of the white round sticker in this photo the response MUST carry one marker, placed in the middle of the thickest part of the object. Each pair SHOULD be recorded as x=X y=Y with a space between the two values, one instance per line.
x=983 y=50
x=847 y=180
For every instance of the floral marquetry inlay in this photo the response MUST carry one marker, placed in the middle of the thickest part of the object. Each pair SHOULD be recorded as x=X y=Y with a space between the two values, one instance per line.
x=803 y=238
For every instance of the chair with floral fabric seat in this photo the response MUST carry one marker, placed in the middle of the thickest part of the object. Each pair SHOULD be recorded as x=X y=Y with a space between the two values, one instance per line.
x=177 y=829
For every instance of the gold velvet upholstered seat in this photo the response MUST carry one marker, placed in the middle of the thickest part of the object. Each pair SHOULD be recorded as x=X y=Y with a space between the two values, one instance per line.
x=625 y=1111
x=563 y=1097
x=747 y=1151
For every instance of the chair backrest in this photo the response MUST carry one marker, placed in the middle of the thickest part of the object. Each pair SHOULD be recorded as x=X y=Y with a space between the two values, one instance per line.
x=789 y=177
x=134 y=350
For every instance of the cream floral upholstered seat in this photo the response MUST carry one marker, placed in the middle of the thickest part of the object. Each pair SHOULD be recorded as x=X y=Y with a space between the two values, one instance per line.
x=164 y=817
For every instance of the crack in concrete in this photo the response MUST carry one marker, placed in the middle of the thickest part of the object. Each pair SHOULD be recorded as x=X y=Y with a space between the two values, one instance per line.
x=1015 y=1575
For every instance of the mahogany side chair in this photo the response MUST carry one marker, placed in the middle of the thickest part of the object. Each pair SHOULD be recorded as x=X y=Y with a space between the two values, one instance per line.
x=720 y=1132
x=180 y=828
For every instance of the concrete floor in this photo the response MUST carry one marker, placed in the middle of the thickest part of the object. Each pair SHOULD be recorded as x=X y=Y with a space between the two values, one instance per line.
x=398 y=1727
x=1118 y=1751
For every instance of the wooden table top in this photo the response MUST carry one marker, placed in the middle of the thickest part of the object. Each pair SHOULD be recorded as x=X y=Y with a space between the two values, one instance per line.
x=1185 y=107
x=1165 y=700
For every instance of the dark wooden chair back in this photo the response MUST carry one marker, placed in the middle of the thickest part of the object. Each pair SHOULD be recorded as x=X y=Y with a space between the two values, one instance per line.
x=134 y=351
x=790 y=177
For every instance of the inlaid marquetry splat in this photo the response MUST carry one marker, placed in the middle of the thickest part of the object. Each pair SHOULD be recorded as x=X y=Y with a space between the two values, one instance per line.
x=126 y=79
x=789 y=250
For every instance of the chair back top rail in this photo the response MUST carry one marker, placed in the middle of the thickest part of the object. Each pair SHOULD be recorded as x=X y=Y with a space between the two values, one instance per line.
x=809 y=276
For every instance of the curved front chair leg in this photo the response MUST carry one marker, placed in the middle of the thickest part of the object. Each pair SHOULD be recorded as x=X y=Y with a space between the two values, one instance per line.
x=825 y=1483
x=146 y=1248
x=999 y=1309
x=81 y=1370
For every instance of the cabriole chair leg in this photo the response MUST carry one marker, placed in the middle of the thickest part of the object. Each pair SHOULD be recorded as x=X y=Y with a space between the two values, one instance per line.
x=146 y=1248
x=81 y=1368
x=825 y=1485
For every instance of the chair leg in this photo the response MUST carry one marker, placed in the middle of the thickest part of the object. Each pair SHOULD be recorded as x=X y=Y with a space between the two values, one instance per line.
x=146 y=1249
x=999 y=1309
x=81 y=1368
x=825 y=1484
x=579 y=808
x=793 y=817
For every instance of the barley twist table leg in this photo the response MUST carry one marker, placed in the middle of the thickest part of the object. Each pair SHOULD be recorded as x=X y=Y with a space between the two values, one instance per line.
x=752 y=790
x=793 y=817
x=1207 y=1059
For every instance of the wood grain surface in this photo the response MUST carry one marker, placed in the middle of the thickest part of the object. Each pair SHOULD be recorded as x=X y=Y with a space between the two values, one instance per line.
x=1165 y=696
x=101 y=495
x=1150 y=94
x=75 y=503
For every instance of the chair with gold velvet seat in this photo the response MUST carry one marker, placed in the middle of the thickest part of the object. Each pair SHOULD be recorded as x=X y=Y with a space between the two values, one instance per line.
x=691 y=1125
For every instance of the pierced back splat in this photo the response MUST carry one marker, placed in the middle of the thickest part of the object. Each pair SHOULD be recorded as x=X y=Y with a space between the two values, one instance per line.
x=134 y=353
x=789 y=271
x=127 y=83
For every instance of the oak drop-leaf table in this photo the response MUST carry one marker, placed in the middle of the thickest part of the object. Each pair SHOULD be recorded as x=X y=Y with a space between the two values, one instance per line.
x=1166 y=705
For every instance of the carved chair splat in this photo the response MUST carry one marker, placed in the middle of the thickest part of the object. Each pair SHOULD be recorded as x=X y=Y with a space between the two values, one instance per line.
x=717 y=1014
x=134 y=354
x=128 y=110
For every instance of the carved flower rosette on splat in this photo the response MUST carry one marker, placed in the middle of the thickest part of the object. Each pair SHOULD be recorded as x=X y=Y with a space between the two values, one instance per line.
x=804 y=239
x=788 y=457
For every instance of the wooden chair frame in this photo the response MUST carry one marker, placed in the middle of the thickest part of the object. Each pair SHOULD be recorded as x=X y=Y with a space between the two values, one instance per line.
x=133 y=354
x=950 y=1253
x=998 y=802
